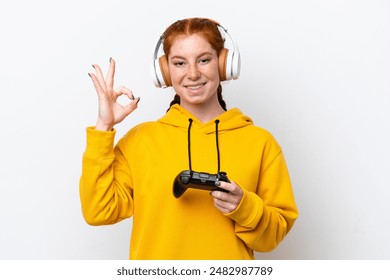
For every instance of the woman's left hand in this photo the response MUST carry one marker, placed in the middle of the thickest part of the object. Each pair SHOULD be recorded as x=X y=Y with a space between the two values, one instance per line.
x=227 y=202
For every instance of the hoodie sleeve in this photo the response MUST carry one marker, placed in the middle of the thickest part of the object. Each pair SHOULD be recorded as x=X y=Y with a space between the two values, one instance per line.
x=105 y=188
x=263 y=218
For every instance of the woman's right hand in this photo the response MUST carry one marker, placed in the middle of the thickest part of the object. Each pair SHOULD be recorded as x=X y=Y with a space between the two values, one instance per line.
x=111 y=111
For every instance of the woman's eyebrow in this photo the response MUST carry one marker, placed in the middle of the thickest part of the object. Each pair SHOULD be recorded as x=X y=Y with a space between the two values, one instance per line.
x=182 y=57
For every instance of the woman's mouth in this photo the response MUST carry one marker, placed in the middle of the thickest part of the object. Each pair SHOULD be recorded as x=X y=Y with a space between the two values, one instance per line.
x=195 y=87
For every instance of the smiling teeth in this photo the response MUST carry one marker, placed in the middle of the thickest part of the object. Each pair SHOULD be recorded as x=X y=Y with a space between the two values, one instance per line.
x=195 y=87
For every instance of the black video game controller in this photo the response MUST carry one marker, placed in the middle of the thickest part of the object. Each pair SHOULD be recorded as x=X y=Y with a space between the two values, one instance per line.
x=197 y=180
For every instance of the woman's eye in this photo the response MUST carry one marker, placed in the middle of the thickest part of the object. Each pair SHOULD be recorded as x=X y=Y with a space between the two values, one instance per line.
x=178 y=63
x=204 y=61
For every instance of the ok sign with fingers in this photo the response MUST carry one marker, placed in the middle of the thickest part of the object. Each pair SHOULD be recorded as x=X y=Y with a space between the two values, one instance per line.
x=111 y=112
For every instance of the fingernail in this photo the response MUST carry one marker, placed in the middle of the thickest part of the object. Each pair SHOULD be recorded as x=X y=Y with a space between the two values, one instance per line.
x=110 y=59
x=93 y=66
x=218 y=183
x=139 y=98
x=89 y=74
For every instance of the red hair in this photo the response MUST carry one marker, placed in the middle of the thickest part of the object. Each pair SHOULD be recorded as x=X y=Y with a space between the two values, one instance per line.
x=202 y=26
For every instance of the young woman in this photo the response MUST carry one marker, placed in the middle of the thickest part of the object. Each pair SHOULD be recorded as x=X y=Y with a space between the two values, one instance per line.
x=135 y=177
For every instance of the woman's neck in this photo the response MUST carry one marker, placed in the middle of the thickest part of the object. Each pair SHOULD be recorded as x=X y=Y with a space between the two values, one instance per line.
x=204 y=112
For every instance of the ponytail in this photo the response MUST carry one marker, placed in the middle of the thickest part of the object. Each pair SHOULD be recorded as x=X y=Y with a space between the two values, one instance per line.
x=220 y=98
x=176 y=100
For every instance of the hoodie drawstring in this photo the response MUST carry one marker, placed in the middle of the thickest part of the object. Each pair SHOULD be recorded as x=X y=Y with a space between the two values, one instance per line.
x=216 y=139
x=189 y=143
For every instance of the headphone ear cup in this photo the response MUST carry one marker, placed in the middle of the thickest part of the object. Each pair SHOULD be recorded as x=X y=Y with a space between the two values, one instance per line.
x=222 y=64
x=156 y=74
x=163 y=61
x=161 y=77
x=229 y=65
x=236 y=64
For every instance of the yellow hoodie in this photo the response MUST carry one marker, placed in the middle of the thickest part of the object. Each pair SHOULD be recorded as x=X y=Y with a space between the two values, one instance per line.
x=135 y=179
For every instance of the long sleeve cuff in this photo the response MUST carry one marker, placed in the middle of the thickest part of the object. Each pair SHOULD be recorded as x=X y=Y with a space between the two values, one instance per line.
x=99 y=143
x=249 y=211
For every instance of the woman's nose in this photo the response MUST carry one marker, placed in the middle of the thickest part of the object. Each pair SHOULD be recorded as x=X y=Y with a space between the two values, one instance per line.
x=193 y=72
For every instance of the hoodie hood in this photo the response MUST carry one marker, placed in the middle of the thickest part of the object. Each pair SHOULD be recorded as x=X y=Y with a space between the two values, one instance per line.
x=232 y=119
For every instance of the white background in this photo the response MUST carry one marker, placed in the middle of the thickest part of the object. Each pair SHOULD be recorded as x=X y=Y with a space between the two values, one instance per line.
x=315 y=74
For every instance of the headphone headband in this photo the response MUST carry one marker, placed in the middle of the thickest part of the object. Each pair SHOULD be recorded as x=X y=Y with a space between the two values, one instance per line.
x=229 y=62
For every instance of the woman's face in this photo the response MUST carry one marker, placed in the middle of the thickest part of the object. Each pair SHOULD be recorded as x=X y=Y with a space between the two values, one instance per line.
x=193 y=66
